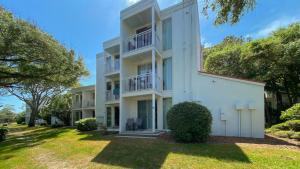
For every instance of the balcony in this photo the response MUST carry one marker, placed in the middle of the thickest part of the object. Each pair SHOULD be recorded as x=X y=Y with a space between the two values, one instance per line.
x=141 y=83
x=141 y=41
x=112 y=95
x=112 y=68
x=88 y=104
x=77 y=105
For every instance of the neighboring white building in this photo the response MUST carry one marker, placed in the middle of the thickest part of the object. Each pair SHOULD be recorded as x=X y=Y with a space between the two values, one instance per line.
x=155 y=63
x=83 y=103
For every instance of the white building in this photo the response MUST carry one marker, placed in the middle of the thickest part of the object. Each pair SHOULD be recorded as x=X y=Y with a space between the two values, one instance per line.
x=156 y=62
x=83 y=103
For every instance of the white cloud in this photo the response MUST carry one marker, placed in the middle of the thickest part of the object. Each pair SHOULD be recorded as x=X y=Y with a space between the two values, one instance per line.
x=205 y=43
x=162 y=3
x=130 y=2
x=267 y=30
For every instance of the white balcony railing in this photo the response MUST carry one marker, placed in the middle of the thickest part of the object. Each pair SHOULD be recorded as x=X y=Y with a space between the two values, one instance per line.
x=141 y=82
x=141 y=40
x=77 y=105
x=111 y=68
x=89 y=103
x=112 y=96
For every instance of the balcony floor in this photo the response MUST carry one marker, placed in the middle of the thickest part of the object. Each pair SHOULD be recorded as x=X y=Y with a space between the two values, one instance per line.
x=141 y=93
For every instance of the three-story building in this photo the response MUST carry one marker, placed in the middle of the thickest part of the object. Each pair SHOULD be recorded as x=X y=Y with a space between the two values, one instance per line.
x=156 y=62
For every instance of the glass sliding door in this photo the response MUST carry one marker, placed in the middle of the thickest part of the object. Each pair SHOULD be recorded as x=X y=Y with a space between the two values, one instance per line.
x=145 y=114
x=108 y=116
x=167 y=104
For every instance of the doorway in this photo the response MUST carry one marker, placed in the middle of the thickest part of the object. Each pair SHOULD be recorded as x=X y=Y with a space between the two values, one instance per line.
x=117 y=116
x=145 y=114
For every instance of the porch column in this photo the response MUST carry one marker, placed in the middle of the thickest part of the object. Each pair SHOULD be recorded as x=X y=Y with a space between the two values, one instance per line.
x=72 y=119
x=153 y=70
x=153 y=112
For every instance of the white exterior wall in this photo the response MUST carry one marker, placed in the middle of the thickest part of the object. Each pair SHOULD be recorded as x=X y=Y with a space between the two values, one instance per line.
x=100 y=89
x=219 y=94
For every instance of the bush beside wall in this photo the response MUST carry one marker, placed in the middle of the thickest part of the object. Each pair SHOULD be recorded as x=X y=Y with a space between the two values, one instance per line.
x=189 y=122
x=87 y=124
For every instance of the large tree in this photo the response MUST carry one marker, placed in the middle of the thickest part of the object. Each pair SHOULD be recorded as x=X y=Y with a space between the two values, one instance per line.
x=274 y=60
x=60 y=106
x=34 y=67
x=27 y=53
x=228 y=11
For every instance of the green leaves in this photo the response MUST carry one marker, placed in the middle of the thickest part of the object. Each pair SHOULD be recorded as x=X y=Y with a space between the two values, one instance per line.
x=28 y=55
x=293 y=113
x=228 y=11
x=274 y=60
x=34 y=66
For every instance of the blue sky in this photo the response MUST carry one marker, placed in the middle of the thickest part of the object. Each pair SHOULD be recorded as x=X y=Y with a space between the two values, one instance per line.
x=83 y=25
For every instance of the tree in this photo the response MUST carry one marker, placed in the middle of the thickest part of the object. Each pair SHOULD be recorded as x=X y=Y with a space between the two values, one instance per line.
x=224 y=58
x=60 y=106
x=228 y=10
x=34 y=67
x=20 y=117
x=27 y=53
x=274 y=60
x=7 y=114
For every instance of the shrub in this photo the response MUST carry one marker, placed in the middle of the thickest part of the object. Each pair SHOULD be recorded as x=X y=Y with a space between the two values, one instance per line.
x=296 y=135
x=87 y=124
x=3 y=132
x=293 y=125
x=280 y=126
x=292 y=113
x=189 y=122
x=284 y=134
x=288 y=125
x=20 y=118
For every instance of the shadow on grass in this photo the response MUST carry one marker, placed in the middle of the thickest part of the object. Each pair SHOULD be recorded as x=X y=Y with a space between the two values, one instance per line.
x=268 y=140
x=152 y=153
x=30 y=138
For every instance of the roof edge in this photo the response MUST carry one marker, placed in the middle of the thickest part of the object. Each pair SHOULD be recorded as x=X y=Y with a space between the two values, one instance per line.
x=233 y=78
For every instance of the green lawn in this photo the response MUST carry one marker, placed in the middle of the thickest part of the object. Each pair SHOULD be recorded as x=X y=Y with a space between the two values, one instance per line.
x=42 y=147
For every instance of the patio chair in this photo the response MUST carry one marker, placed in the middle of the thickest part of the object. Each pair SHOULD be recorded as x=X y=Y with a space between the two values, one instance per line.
x=139 y=123
x=130 y=124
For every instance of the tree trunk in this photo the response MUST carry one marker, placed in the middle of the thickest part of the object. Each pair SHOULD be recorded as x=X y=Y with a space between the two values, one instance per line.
x=33 y=114
x=267 y=112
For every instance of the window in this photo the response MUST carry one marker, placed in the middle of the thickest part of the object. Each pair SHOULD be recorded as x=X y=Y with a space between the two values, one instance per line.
x=167 y=73
x=167 y=104
x=167 y=34
x=108 y=86
x=145 y=68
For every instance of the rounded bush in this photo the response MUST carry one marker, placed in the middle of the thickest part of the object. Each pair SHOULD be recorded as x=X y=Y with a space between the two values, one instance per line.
x=292 y=113
x=87 y=124
x=189 y=122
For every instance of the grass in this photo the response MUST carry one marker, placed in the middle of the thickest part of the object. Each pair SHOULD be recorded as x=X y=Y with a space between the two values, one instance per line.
x=42 y=147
